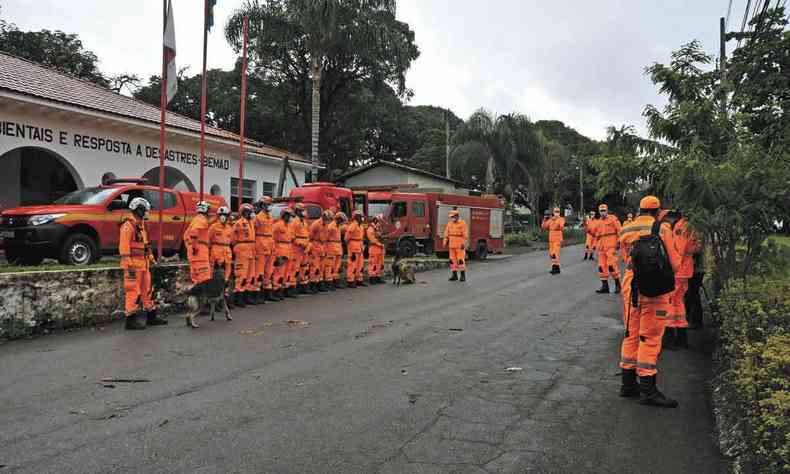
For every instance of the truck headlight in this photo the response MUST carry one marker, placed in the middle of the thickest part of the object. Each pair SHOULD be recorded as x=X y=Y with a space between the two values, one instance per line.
x=44 y=219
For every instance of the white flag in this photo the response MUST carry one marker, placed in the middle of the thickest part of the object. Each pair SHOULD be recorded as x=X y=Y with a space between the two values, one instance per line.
x=170 y=53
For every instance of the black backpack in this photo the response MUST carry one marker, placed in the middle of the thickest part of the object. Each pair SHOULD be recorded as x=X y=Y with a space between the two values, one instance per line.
x=653 y=274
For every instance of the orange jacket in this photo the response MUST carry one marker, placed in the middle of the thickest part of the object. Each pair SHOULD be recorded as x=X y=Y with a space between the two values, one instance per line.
x=456 y=234
x=334 y=246
x=264 y=238
x=220 y=238
x=606 y=232
x=134 y=246
x=282 y=238
x=555 y=226
x=643 y=225
x=686 y=245
x=354 y=237
x=196 y=238
x=244 y=236
x=301 y=234
x=374 y=240
x=318 y=238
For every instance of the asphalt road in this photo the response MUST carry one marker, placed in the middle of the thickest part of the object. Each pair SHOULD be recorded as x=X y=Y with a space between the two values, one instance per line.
x=383 y=379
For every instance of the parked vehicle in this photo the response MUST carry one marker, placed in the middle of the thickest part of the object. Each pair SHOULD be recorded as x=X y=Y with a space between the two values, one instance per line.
x=84 y=225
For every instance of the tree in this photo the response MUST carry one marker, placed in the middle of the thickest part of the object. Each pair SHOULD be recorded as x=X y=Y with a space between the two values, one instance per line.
x=335 y=45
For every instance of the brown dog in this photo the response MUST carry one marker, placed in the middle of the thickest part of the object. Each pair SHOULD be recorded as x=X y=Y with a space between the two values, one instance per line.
x=211 y=293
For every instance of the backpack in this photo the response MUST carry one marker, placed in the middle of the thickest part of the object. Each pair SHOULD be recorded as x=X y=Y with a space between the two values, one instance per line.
x=653 y=274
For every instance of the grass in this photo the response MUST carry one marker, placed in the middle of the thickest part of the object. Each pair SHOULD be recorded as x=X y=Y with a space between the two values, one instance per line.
x=781 y=240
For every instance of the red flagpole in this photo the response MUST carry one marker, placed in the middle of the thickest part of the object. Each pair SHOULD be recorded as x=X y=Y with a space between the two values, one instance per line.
x=162 y=116
x=243 y=106
x=203 y=92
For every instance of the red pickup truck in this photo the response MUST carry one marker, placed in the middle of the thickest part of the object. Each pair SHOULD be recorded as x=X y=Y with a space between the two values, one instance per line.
x=84 y=225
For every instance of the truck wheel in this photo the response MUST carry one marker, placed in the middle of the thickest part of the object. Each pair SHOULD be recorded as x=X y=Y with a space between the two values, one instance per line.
x=407 y=248
x=482 y=251
x=78 y=249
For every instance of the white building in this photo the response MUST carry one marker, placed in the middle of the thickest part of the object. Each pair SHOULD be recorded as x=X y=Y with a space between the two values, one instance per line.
x=59 y=134
x=387 y=173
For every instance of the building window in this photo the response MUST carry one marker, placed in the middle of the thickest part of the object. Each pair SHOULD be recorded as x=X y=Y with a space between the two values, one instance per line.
x=248 y=193
x=398 y=210
x=418 y=209
x=269 y=189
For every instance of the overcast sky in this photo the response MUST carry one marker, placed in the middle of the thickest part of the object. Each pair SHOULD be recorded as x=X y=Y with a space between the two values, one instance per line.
x=578 y=61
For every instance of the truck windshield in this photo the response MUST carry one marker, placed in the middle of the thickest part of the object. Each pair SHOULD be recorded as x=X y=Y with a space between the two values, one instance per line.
x=89 y=196
x=378 y=207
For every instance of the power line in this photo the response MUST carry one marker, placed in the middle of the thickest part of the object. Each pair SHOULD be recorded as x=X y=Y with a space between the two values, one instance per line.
x=743 y=23
x=729 y=10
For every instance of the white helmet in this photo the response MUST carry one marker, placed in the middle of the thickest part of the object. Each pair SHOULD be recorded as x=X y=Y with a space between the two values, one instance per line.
x=140 y=202
x=202 y=207
x=223 y=211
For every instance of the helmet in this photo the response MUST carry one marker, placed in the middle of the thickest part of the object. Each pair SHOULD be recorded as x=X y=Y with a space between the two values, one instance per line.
x=649 y=202
x=245 y=208
x=223 y=211
x=341 y=216
x=357 y=213
x=139 y=202
x=379 y=218
x=603 y=207
x=265 y=200
x=299 y=206
x=202 y=207
x=328 y=214
x=453 y=213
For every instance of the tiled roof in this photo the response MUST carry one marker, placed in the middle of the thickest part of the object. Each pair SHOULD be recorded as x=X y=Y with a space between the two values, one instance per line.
x=400 y=167
x=32 y=79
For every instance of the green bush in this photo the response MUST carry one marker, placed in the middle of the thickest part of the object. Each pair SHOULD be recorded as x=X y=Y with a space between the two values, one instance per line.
x=521 y=239
x=525 y=239
x=754 y=376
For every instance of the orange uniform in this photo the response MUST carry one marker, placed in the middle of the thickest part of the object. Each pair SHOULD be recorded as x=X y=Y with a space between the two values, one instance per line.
x=283 y=239
x=375 y=251
x=264 y=250
x=606 y=234
x=220 y=239
x=642 y=346
x=136 y=259
x=554 y=226
x=244 y=253
x=197 y=246
x=354 y=264
x=684 y=246
x=589 y=244
x=318 y=237
x=334 y=252
x=456 y=235
x=299 y=264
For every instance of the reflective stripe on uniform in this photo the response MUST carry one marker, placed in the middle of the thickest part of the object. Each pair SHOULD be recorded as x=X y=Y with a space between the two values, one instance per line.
x=636 y=228
x=644 y=365
x=625 y=360
x=660 y=313
x=263 y=235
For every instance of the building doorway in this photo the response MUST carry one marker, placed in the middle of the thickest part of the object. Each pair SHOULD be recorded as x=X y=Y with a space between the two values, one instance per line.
x=34 y=176
x=174 y=179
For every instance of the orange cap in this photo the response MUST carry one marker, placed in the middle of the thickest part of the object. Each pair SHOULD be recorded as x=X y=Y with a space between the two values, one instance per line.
x=649 y=202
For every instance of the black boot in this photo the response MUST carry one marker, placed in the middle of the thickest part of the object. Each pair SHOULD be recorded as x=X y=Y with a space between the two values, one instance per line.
x=463 y=275
x=650 y=395
x=261 y=296
x=669 y=341
x=682 y=338
x=136 y=321
x=558 y=270
x=302 y=289
x=153 y=318
x=238 y=299
x=585 y=257
x=361 y=283
x=249 y=298
x=351 y=284
x=229 y=301
x=454 y=277
x=629 y=387
x=617 y=287
x=280 y=294
x=604 y=287
x=290 y=292
x=322 y=287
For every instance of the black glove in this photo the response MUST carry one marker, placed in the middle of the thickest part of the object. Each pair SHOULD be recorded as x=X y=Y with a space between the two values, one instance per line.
x=634 y=294
x=353 y=257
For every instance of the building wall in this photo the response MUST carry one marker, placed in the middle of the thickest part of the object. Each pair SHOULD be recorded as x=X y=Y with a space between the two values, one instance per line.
x=384 y=175
x=94 y=146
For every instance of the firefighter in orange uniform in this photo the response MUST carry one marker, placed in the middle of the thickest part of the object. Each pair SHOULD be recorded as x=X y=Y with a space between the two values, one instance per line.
x=244 y=254
x=685 y=246
x=334 y=249
x=318 y=244
x=136 y=260
x=264 y=249
x=554 y=224
x=456 y=235
x=300 y=246
x=375 y=250
x=629 y=219
x=606 y=236
x=283 y=240
x=354 y=240
x=220 y=238
x=197 y=244
x=589 y=229
x=645 y=320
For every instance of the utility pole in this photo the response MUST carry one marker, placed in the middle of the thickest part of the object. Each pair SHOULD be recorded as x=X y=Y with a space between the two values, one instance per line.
x=581 y=192
x=723 y=63
x=447 y=144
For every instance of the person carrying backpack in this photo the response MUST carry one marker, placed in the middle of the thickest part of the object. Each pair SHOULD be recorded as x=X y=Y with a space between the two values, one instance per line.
x=651 y=284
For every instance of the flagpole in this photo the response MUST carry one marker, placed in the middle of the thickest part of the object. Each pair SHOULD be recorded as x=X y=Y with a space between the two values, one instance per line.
x=242 y=112
x=203 y=92
x=162 y=117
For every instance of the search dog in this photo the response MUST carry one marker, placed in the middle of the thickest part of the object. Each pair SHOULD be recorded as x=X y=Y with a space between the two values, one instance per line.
x=402 y=272
x=210 y=292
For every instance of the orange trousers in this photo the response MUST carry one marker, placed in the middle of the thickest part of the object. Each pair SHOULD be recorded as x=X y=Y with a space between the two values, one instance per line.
x=279 y=274
x=554 y=252
x=589 y=246
x=244 y=268
x=375 y=261
x=137 y=290
x=329 y=267
x=607 y=264
x=317 y=271
x=642 y=346
x=295 y=267
x=677 y=318
x=628 y=277
x=264 y=270
x=354 y=265
x=199 y=271
x=458 y=259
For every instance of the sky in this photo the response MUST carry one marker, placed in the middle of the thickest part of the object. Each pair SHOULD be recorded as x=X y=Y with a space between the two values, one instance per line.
x=578 y=61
